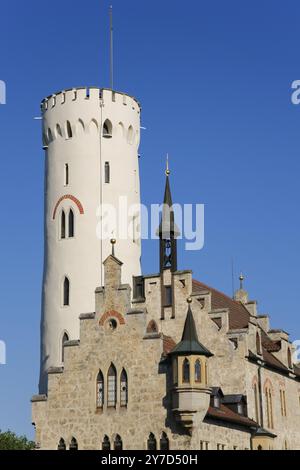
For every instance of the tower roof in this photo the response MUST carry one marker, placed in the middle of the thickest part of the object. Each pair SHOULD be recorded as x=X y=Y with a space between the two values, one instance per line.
x=167 y=224
x=189 y=343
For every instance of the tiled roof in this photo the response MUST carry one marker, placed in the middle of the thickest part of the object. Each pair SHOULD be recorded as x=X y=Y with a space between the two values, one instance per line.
x=226 y=414
x=168 y=344
x=238 y=314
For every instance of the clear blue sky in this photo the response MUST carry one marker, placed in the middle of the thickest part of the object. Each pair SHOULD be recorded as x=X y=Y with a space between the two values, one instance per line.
x=214 y=81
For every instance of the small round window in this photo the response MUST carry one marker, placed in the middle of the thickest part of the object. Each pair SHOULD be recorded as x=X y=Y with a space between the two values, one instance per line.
x=112 y=324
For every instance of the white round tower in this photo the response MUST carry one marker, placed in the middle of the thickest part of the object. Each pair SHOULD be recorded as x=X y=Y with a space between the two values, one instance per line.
x=91 y=138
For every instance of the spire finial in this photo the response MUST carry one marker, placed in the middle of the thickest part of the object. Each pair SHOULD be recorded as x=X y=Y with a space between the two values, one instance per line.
x=167 y=166
x=189 y=300
x=241 y=278
x=113 y=241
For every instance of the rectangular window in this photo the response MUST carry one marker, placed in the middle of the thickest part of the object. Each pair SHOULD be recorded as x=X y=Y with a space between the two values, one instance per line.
x=66 y=174
x=106 y=172
x=168 y=296
x=139 y=288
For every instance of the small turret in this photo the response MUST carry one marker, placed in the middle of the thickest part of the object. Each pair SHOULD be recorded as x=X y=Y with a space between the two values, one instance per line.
x=241 y=295
x=191 y=393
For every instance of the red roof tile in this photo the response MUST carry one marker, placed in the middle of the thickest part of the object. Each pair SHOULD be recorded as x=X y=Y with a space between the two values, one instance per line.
x=168 y=344
x=226 y=414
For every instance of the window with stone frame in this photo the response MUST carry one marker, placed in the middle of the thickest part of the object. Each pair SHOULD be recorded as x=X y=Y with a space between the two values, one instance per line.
x=100 y=390
x=124 y=388
x=186 y=371
x=112 y=386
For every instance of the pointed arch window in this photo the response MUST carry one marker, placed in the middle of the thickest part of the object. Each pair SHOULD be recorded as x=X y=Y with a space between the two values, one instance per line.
x=58 y=130
x=73 y=444
x=112 y=386
x=66 y=292
x=63 y=225
x=106 y=443
x=107 y=129
x=100 y=390
x=69 y=130
x=124 y=388
x=151 y=443
x=61 y=444
x=198 y=371
x=164 y=442
x=65 y=338
x=118 y=444
x=71 y=223
x=106 y=172
x=186 y=371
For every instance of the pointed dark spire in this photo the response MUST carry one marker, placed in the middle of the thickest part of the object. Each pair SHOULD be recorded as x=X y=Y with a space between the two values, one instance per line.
x=168 y=231
x=189 y=343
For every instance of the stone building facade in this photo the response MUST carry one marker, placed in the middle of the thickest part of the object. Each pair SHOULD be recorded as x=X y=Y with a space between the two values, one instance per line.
x=170 y=363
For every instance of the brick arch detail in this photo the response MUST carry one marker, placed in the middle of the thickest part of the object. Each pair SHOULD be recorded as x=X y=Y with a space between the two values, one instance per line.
x=111 y=314
x=73 y=199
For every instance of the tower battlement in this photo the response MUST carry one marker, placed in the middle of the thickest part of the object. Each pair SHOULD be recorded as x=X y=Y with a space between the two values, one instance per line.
x=91 y=94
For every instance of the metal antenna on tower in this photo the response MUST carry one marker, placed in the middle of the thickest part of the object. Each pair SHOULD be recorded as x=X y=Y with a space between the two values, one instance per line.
x=111 y=47
x=232 y=277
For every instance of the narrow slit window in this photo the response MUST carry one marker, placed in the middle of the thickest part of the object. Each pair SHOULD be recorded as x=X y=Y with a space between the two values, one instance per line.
x=124 y=388
x=71 y=224
x=66 y=174
x=107 y=172
x=66 y=292
x=69 y=130
x=197 y=371
x=100 y=390
x=64 y=340
x=186 y=371
x=63 y=225
x=168 y=296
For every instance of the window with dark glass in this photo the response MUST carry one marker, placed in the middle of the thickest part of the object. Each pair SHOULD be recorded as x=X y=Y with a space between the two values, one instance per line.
x=65 y=338
x=124 y=388
x=66 y=174
x=106 y=443
x=66 y=289
x=71 y=223
x=151 y=443
x=118 y=444
x=112 y=386
x=61 y=444
x=138 y=287
x=168 y=296
x=186 y=371
x=106 y=172
x=164 y=442
x=73 y=444
x=63 y=225
x=197 y=371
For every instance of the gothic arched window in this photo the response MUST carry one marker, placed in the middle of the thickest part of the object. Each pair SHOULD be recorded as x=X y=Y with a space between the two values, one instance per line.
x=73 y=444
x=71 y=223
x=107 y=129
x=197 y=371
x=118 y=444
x=106 y=443
x=63 y=225
x=66 y=174
x=65 y=338
x=151 y=443
x=66 y=292
x=186 y=371
x=100 y=390
x=124 y=388
x=112 y=386
x=69 y=130
x=61 y=444
x=164 y=442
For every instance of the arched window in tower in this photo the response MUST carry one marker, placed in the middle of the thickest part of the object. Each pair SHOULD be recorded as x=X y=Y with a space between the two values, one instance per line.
x=118 y=444
x=151 y=443
x=124 y=388
x=66 y=292
x=58 y=130
x=107 y=129
x=112 y=386
x=50 y=135
x=69 y=130
x=258 y=345
x=164 y=442
x=63 y=225
x=290 y=363
x=130 y=135
x=100 y=390
x=73 y=444
x=71 y=223
x=186 y=371
x=106 y=172
x=106 y=443
x=65 y=338
x=66 y=174
x=61 y=444
x=198 y=371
